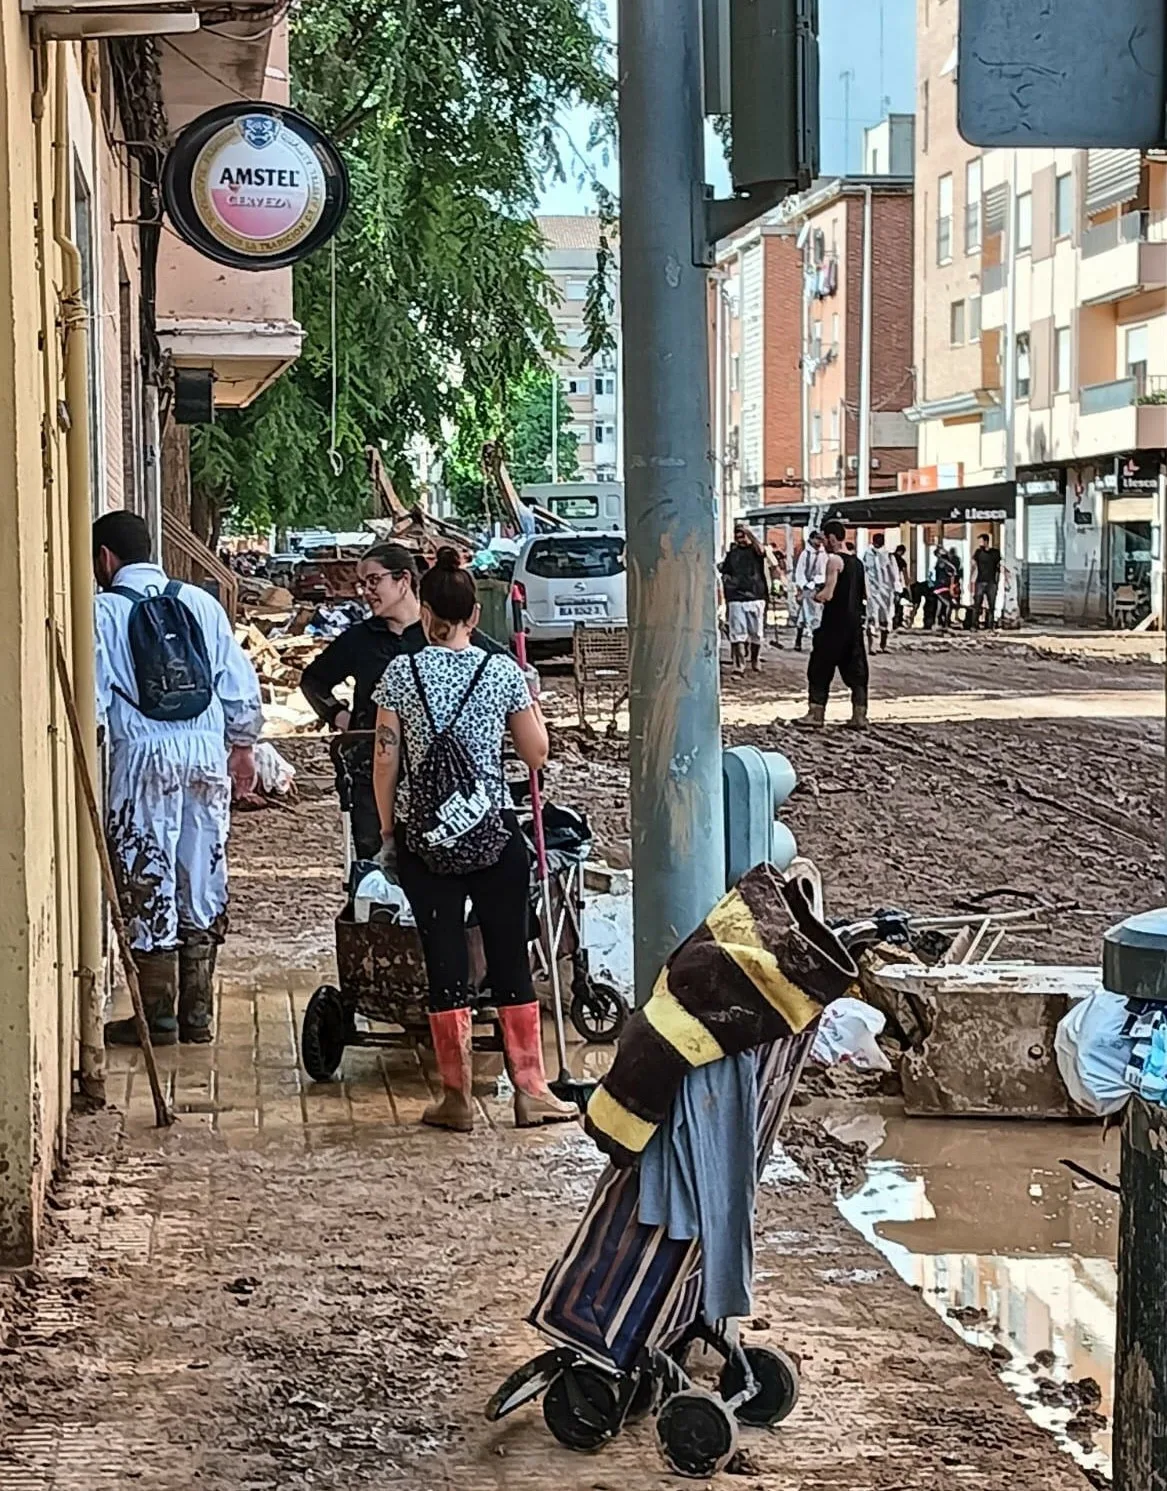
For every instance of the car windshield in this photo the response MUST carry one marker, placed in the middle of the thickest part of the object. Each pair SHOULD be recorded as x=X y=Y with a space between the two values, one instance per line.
x=576 y=558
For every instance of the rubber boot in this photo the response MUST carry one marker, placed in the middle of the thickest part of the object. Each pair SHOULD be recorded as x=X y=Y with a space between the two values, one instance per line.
x=196 y=987
x=522 y=1039
x=883 y=640
x=858 y=720
x=798 y=631
x=814 y=718
x=451 y=1032
x=755 y=658
x=739 y=661
x=158 y=981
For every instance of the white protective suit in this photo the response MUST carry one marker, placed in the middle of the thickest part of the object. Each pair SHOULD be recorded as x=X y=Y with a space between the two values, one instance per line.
x=169 y=800
x=809 y=574
x=883 y=578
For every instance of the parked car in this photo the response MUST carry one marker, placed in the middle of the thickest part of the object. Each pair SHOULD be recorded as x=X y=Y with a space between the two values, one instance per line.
x=568 y=578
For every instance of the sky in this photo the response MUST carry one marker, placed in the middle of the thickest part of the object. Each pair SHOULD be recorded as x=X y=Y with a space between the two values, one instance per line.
x=849 y=41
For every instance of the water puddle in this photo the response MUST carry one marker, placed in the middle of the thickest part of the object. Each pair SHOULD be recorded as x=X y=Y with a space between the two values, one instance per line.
x=1015 y=1252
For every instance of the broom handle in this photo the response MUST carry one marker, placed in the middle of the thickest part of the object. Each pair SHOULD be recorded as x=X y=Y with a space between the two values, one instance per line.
x=163 y=1117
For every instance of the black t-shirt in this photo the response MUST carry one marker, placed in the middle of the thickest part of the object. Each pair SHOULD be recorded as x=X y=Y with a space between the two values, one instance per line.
x=744 y=574
x=987 y=563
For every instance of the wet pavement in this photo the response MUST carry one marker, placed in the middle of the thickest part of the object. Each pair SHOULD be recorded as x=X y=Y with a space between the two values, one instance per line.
x=1010 y=1247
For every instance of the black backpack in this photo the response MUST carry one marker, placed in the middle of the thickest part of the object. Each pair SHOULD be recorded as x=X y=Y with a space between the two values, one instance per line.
x=453 y=827
x=172 y=671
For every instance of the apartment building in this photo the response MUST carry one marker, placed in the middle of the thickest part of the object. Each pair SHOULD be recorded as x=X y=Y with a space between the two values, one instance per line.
x=94 y=292
x=592 y=389
x=790 y=342
x=1041 y=347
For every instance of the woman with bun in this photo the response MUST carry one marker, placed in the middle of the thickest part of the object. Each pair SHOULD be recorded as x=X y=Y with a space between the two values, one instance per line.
x=387 y=578
x=456 y=701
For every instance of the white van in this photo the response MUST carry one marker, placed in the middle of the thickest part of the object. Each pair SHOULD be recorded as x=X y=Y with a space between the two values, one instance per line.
x=566 y=578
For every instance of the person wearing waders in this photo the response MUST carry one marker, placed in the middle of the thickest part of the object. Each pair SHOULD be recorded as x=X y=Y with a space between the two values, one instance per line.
x=746 y=583
x=838 y=643
x=180 y=706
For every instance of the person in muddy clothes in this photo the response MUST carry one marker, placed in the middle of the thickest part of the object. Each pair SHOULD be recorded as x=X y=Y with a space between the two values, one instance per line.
x=450 y=832
x=180 y=706
x=746 y=582
x=838 y=643
x=387 y=576
x=809 y=574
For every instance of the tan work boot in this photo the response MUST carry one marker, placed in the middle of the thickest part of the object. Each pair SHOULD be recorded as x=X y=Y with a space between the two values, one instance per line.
x=814 y=718
x=522 y=1039
x=451 y=1031
x=858 y=720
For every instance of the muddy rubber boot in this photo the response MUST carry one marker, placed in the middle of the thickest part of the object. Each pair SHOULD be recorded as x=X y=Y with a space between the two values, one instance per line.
x=798 y=631
x=522 y=1039
x=814 y=718
x=755 y=658
x=196 y=988
x=883 y=640
x=858 y=720
x=158 y=981
x=451 y=1031
x=739 y=662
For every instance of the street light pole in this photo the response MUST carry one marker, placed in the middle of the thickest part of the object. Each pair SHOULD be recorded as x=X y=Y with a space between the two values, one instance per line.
x=678 y=850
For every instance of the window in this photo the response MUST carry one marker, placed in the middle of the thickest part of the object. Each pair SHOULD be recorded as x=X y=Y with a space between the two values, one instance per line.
x=735 y=372
x=835 y=331
x=567 y=557
x=1022 y=365
x=1136 y=355
x=1062 y=359
x=944 y=221
x=926 y=114
x=579 y=386
x=576 y=290
x=956 y=324
x=1024 y=222
x=605 y=433
x=581 y=432
x=835 y=425
x=816 y=433
x=972 y=207
x=605 y=385
x=974 y=318
x=1064 y=206
x=816 y=340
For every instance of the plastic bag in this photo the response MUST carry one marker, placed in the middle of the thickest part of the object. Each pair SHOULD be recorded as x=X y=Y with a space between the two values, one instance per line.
x=376 y=890
x=1094 y=1050
x=277 y=777
x=847 y=1033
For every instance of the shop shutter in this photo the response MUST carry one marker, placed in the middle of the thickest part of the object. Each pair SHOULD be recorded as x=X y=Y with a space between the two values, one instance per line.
x=1045 y=568
x=1112 y=177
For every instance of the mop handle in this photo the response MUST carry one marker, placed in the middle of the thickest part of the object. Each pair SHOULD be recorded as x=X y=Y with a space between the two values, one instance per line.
x=536 y=799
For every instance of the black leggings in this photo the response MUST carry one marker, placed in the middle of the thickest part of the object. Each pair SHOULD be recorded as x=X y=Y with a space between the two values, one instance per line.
x=845 y=653
x=500 y=897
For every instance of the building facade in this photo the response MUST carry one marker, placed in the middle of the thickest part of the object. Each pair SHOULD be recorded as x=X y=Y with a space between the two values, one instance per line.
x=592 y=388
x=89 y=280
x=1041 y=347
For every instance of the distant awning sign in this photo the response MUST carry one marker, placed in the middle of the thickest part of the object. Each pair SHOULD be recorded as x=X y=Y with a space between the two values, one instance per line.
x=254 y=186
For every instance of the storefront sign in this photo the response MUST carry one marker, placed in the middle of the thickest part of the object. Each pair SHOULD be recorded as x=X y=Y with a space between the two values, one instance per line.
x=254 y=186
x=1137 y=473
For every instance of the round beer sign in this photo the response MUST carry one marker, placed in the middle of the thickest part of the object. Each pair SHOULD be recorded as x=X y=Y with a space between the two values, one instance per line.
x=254 y=185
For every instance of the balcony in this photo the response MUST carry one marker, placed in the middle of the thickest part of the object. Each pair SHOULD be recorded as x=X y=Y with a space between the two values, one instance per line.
x=1125 y=414
x=1122 y=257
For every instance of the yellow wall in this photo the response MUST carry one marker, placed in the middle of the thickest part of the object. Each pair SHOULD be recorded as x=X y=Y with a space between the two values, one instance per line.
x=37 y=836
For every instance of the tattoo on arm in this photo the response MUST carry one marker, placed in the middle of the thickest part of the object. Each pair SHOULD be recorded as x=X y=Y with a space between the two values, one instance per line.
x=388 y=740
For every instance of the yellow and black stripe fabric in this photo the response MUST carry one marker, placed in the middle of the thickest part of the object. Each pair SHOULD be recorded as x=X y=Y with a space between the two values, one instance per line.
x=760 y=967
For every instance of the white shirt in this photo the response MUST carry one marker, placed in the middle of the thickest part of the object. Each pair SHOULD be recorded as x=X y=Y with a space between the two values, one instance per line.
x=811 y=570
x=235 y=714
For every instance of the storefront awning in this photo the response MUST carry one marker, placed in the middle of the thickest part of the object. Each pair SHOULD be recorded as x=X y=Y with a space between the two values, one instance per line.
x=988 y=504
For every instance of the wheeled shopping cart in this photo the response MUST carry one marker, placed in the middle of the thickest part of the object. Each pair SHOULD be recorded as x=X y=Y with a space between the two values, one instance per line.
x=623 y=1309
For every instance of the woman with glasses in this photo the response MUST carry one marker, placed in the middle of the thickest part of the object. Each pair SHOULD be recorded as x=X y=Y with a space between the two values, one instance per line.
x=387 y=579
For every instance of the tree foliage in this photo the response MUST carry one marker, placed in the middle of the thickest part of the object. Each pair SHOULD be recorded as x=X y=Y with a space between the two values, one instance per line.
x=523 y=424
x=446 y=113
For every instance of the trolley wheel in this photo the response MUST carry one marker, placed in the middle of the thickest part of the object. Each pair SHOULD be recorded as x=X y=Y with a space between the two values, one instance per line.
x=597 y=1012
x=778 y=1386
x=582 y=1408
x=322 y=1039
x=697 y=1434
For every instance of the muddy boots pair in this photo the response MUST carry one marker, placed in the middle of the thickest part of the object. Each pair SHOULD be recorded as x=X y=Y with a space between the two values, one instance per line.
x=196 y=987
x=522 y=1038
x=158 y=982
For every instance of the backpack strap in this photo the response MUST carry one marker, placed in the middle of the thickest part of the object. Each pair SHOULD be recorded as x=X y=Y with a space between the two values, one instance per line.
x=126 y=593
x=173 y=589
x=462 y=703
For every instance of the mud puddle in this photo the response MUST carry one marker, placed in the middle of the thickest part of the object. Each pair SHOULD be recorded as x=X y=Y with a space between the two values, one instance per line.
x=1013 y=1250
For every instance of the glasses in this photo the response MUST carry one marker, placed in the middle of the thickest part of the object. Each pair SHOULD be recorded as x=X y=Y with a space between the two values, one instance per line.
x=373 y=582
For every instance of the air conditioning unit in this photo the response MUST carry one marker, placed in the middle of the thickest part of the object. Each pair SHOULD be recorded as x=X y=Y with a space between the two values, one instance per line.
x=81 y=20
x=852 y=463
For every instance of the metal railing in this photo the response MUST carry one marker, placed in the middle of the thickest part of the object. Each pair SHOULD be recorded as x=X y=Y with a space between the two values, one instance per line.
x=1152 y=389
x=1131 y=227
x=1104 y=398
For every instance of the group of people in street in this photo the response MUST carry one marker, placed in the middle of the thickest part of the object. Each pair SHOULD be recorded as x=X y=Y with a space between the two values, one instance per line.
x=433 y=704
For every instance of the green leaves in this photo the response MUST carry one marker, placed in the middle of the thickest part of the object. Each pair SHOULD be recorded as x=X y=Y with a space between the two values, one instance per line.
x=445 y=111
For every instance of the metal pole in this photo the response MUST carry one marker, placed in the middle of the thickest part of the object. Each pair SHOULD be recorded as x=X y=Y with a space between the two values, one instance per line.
x=678 y=849
x=555 y=424
x=864 y=483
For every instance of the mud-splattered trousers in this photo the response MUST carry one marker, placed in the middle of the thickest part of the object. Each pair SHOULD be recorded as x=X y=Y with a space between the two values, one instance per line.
x=168 y=805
